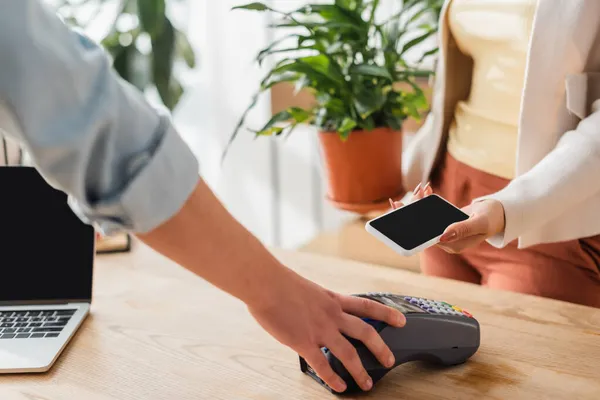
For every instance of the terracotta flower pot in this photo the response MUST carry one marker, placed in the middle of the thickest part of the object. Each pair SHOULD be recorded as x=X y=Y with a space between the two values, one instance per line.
x=365 y=170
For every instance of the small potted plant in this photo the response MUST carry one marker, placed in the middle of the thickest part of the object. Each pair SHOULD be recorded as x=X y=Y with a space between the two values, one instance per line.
x=363 y=89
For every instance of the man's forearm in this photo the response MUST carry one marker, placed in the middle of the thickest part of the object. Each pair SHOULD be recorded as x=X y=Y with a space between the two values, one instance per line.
x=204 y=238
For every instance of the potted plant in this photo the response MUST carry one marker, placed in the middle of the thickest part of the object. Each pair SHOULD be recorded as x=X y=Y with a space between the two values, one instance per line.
x=364 y=89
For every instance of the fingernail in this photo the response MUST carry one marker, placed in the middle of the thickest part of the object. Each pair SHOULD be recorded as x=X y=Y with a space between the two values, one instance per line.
x=426 y=186
x=400 y=320
x=417 y=189
x=390 y=361
x=392 y=204
x=368 y=383
x=447 y=237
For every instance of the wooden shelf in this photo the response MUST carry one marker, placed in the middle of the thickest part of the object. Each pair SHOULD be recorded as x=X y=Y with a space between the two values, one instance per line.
x=354 y=243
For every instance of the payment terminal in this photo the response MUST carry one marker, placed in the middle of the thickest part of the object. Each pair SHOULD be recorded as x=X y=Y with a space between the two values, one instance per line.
x=435 y=331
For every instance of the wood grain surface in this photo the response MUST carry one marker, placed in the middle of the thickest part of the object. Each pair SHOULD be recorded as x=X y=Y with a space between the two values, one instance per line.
x=158 y=332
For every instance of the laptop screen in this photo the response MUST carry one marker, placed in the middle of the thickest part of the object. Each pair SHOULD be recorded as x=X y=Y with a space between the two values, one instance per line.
x=46 y=251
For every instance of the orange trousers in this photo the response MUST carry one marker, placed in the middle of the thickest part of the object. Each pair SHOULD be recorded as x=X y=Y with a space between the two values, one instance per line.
x=567 y=271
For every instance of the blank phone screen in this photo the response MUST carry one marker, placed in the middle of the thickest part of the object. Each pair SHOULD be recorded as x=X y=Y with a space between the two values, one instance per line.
x=418 y=222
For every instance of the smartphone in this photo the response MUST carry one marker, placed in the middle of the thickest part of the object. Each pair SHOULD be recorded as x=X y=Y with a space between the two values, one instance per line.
x=416 y=226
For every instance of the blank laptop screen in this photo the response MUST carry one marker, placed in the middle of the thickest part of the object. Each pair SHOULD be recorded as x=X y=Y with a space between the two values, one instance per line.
x=46 y=252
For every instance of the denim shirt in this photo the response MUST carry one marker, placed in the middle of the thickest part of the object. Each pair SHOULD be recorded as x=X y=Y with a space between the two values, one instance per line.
x=88 y=132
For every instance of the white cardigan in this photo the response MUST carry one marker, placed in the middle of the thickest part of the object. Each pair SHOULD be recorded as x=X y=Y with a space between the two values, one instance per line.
x=555 y=195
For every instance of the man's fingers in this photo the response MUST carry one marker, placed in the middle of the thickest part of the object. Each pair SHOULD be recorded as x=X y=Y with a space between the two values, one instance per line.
x=317 y=360
x=473 y=226
x=358 y=329
x=347 y=354
x=367 y=308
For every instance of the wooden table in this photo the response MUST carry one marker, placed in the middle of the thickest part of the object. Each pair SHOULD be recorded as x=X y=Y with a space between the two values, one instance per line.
x=158 y=332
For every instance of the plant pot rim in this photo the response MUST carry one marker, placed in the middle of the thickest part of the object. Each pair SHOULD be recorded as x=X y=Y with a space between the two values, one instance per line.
x=364 y=131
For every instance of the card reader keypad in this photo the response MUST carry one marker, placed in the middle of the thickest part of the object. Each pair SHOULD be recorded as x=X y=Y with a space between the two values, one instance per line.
x=437 y=307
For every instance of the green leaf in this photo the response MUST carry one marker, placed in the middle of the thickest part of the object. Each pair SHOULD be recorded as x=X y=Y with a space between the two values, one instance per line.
x=256 y=6
x=333 y=12
x=314 y=67
x=417 y=73
x=299 y=115
x=330 y=103
x=418 y=98
x=277 y=118
x=184 y=48
x=371 y=70
x=152 y=16
x=368 y=124
x=369 y=101
x=275 y=130
x=273 y=79
x=419 y=39
x=287 y=50
x=347 y=126
x=239 y=125
x=163 y=47
x=428 y=54
x=418 y=14
x=331 y=25
x=175 y=92
x=412 y=110
x=394 y=124
x=319 y=63
x=301 y=83
x=268 y=50
x=347 y=4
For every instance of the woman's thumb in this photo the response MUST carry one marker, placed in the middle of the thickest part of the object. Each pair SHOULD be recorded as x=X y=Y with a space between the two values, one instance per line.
x=473 y=226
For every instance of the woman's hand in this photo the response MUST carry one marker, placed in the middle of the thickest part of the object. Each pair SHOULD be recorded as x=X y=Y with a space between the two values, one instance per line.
x=486 y=220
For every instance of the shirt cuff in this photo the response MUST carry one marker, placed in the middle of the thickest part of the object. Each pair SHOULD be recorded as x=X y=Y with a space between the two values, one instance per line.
x=512 y=217
x=161 y=184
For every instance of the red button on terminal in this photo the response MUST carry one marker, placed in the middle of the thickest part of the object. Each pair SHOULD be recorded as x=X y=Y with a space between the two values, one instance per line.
x=468 y=314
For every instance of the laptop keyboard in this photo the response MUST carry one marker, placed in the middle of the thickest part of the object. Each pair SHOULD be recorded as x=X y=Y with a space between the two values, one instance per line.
x=33 y=324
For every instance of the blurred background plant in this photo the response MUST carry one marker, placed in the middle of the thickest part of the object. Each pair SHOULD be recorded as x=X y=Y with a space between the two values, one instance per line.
x=147 y=48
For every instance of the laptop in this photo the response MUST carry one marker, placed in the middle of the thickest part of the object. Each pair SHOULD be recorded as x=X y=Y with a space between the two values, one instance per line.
x=46 y=264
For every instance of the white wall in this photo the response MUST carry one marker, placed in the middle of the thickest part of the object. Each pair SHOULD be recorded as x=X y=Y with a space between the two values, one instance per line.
x=274 y=188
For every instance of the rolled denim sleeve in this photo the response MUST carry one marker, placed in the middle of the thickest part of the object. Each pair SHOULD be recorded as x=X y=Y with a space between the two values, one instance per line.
x=88 y=132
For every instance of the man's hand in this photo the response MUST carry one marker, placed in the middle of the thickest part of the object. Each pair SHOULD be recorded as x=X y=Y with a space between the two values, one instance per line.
x=486 y=219
x=204 y=238
x=306 y=317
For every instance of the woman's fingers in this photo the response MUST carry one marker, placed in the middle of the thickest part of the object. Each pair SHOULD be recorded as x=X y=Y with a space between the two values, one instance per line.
x=461 y=245
x=476 y=225
x=418 y=193
x=422 y=191
x=416 y=190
